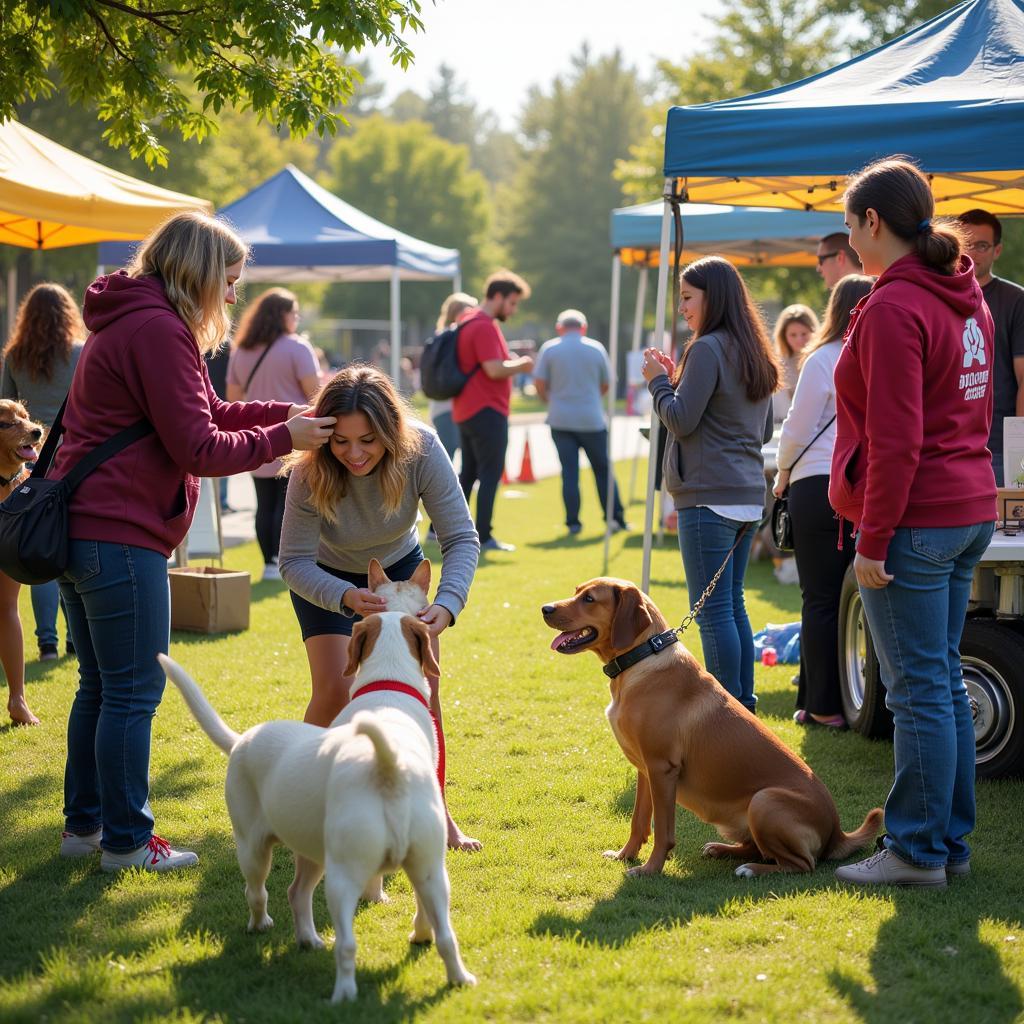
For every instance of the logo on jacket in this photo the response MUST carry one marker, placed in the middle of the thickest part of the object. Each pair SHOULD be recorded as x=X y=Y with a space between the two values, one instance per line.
x=974 y=344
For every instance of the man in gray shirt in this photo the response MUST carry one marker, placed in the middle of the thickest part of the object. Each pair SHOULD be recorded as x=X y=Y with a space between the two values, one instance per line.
x=571 y=376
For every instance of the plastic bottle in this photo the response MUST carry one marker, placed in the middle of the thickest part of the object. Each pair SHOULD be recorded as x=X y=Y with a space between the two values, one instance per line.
x=769 y=656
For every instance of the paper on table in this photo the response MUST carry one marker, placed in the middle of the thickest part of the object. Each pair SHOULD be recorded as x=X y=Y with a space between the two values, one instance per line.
x=1013 y=451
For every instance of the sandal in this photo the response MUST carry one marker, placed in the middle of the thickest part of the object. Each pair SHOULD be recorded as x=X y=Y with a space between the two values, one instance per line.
x=802 y=717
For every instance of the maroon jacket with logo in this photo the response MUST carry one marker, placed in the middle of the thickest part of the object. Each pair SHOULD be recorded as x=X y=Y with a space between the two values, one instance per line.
x=914 y=406
x=141 y=361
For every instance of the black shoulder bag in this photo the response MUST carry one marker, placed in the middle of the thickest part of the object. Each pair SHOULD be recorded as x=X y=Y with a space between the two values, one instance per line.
x=782 y=525
x=34 y=517
x=263 y=355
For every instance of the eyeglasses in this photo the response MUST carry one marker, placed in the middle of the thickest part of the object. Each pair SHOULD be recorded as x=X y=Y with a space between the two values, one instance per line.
x=826 y=256
x=981 y=247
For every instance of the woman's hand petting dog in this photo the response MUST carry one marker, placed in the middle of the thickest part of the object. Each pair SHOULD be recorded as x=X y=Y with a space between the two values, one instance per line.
x=363 y=602
x=436 y=617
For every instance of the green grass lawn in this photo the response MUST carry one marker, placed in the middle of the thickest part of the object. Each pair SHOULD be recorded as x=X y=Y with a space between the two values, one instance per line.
x=551 y=929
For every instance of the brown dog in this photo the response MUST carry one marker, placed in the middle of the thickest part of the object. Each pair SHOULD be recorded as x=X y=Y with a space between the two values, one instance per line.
x=693 y=744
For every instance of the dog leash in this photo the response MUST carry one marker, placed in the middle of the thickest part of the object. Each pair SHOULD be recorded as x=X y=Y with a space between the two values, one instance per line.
x=660 y=641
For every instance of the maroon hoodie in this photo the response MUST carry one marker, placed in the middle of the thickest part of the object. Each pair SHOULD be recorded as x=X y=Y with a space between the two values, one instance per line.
x=141 y=361
x=914 y=406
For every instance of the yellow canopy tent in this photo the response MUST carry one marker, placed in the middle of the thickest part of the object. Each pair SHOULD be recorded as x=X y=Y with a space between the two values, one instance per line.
x=51 y=197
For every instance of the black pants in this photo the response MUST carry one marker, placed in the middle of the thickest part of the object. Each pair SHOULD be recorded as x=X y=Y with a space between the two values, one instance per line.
x=270 y=492
x=483 y=439
x=822 y=567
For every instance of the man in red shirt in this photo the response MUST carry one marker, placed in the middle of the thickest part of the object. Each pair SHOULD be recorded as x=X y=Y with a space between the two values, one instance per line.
x=481 y=409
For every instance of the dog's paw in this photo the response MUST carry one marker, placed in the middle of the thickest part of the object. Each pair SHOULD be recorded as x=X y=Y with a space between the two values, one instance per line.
x=463 y=979
x=310 y=941
x=418 y=938
x=344 y=990
x=260 y=924
x=626 y=853
x=643 y=870
x=716 y=850
x=745 y=871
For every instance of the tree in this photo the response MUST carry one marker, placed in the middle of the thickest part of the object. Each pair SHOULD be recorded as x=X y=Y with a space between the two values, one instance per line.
x=562 y=195
x=409 y=178
x=144 y=66
x=881 y=20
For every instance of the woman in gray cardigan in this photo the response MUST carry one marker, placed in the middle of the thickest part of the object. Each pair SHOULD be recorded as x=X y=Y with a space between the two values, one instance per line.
x=717 y=407
x=358 y=498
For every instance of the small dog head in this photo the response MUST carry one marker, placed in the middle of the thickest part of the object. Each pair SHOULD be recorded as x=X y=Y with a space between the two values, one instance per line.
x=19 y=437
x=408 y=596
x=607 y=616
x=391 y=645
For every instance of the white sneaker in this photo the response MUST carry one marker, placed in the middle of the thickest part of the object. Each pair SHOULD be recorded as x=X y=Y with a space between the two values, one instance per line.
x=156 y=855
x=271 y=572
x=72 y=845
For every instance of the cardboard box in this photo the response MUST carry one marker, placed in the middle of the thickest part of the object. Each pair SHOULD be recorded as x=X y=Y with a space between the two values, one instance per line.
x=205 y=599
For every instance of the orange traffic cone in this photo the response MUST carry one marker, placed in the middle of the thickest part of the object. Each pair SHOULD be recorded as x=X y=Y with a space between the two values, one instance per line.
x=526 y=470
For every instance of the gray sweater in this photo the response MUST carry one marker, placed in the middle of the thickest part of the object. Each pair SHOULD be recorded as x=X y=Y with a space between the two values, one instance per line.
x=362 y=531
x=42 y=398
x=715 y=433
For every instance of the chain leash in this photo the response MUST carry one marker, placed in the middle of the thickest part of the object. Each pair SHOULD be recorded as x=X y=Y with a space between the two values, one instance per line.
x=709 y=589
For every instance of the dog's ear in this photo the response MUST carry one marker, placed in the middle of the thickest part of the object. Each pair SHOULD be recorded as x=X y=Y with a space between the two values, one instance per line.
x=355 y=648
x=630 y=618
x=418 y=637
x=421 y=576
x=375 y=575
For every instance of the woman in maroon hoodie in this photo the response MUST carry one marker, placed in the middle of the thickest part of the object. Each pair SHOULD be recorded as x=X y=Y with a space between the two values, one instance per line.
x=912 y=471
x=150 y=329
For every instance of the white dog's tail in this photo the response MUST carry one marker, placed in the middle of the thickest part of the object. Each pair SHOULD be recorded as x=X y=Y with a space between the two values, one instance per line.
x=212 y=724
x=365 y=724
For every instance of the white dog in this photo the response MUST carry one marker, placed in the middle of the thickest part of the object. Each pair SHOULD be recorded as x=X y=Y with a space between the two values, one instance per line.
x=352 y=801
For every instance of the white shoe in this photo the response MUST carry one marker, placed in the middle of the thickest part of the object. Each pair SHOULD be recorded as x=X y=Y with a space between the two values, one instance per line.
x=72 y=845
x=156 y=855
x=271 y=572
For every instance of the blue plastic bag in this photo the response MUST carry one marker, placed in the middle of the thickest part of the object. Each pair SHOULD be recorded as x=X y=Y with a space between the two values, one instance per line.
x=785 y=638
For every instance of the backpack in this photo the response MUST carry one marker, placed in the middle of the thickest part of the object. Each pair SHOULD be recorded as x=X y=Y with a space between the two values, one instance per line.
x=440 y=376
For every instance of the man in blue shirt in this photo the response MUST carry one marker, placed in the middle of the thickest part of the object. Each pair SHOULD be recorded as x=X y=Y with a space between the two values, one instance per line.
x=572 y=374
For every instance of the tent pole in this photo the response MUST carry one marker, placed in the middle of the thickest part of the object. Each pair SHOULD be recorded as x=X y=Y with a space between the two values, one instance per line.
x=638 y=318
x=396 y=325
x=659 y=334
x=12 y=296
x=457 y=283
x=613 y=380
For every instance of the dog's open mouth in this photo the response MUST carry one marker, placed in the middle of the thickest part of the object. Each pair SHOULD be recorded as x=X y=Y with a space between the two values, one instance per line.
x=568 y=643
x=27 y=453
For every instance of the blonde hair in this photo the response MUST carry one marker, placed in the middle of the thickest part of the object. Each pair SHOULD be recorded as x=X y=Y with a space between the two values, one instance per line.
x=847 y=292
x=796 y=314
x=360 y=388
x=453 y=307
x=190 y=252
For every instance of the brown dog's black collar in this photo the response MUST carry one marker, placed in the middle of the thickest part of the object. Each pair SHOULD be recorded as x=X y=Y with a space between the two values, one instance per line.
x=656 y=643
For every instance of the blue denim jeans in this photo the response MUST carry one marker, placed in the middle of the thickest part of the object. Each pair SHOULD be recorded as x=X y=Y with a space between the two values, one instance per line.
x=916 y=622
x=45 y=604
x=595 y=443
x=704 y=540
x=119 y=610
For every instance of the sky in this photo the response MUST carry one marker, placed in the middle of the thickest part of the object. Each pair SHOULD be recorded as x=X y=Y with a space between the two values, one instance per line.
x=500 y=48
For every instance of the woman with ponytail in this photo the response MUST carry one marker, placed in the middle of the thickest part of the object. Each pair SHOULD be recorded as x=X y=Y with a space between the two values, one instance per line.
x=911 y=470
x=717 y=407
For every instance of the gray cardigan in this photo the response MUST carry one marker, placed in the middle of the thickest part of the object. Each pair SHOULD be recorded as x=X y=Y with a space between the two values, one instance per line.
x=715 y=433
x=362 y=531
x=42 y=398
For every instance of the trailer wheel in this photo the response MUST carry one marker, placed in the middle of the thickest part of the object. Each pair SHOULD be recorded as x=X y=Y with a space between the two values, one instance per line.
x=860 y=679
x=992 y=656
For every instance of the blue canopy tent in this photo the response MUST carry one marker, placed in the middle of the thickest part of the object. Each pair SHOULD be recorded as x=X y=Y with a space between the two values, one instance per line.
x=949 y=93
x=301 y=232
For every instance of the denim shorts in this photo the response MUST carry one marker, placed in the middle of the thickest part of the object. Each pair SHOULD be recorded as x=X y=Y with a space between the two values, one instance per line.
x=317 y=621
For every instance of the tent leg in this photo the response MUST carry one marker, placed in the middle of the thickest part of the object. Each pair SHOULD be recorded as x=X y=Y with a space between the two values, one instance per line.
x=396 y=326
x=659 y=334
x=638 y=316
x=613 y=357
x=12 y=297
x=457 y=283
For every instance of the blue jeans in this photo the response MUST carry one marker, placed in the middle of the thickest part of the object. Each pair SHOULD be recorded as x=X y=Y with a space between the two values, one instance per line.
x=595 y=443
x=45 y=602
x=916 y=622
x=447 y=433
x=119 y=610
x=704 y=540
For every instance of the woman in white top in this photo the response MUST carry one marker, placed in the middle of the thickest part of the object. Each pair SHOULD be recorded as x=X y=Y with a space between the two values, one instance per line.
x=794 y=329
x=822 y=551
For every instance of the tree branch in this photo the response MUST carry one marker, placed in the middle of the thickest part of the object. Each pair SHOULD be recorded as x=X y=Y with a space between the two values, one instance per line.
x=155 y=17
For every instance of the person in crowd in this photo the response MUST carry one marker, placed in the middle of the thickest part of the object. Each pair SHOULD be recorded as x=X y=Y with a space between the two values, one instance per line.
x=357 y=499
x=481 y=409
x=571 y=376
x=1005 y=299
x=794 y=328
x=271 y=363
x=805 y=459
x=911 y=470
x=716 y=407
x=217 y=368
x=837 y=258
x=39 y=361
x=150 y=327
x=440 y=410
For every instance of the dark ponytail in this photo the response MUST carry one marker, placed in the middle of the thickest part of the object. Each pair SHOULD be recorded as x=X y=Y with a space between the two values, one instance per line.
x=901 y=196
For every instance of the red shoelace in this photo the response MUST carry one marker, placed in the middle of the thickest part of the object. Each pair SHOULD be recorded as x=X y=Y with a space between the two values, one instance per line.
x=158 y=847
